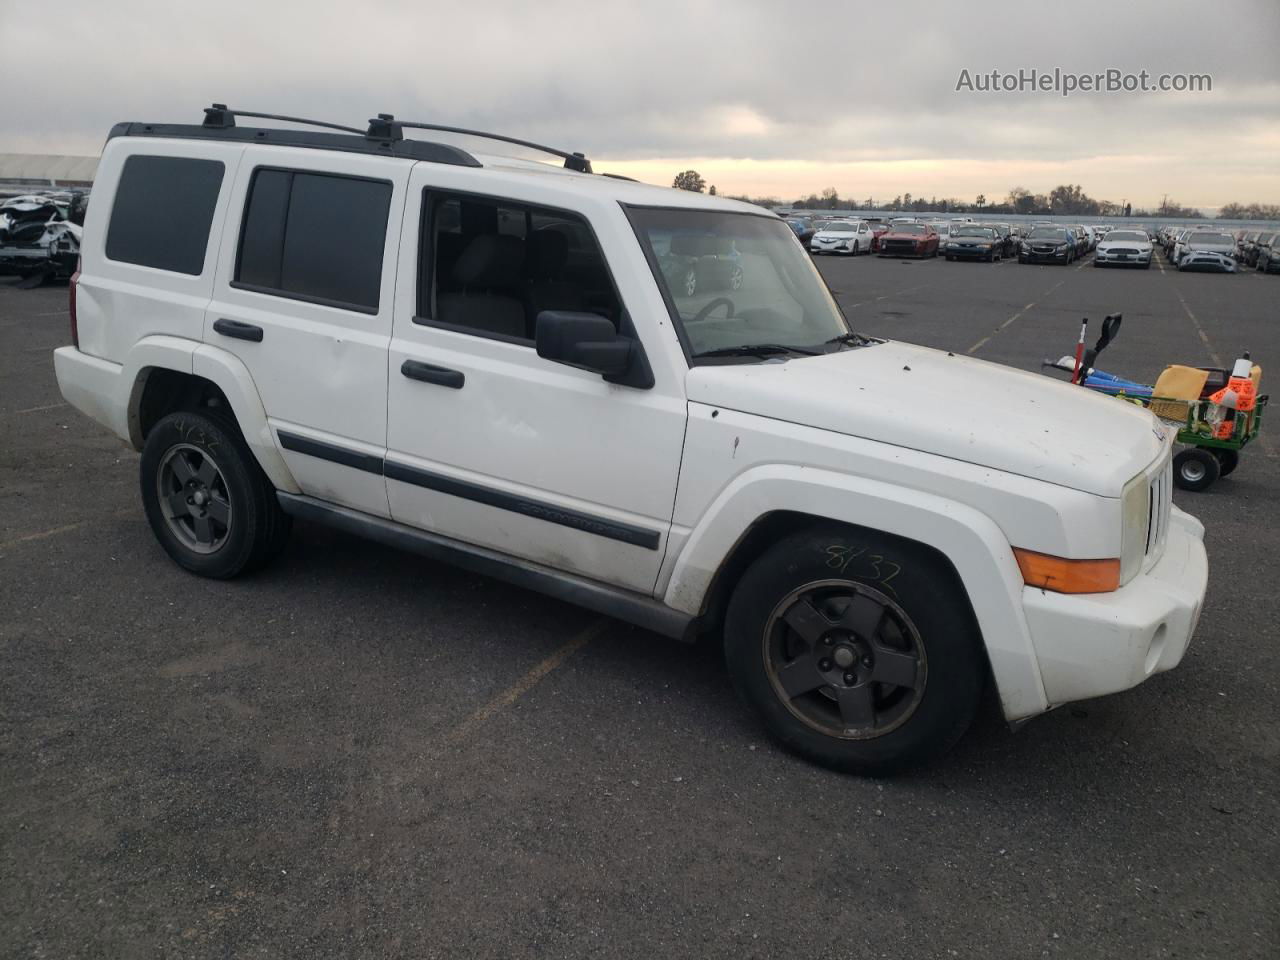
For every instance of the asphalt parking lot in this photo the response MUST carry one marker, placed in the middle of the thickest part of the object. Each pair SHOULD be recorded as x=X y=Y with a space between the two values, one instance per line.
x=362 y=753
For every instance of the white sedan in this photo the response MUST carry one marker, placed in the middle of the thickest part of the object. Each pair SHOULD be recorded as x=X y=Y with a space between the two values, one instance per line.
x=842 y=236
x=1124 y=247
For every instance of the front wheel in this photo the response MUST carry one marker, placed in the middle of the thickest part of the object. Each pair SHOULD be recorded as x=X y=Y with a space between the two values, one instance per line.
x=857 y=651
x=1195 y=469
x=208 y=502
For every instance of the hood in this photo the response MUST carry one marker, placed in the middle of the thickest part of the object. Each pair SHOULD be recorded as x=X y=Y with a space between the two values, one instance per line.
x=1216 y=246
x=951 y=406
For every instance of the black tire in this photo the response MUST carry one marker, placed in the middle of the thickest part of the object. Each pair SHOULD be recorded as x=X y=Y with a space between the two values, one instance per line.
x=1195 y=469
x=923 y=615
x=1228 y=460
x=256 y=529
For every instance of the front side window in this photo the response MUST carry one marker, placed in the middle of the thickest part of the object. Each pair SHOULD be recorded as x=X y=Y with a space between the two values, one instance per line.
x=314 y=236
x=736 y=280
x=489 y=267
x=163 y=211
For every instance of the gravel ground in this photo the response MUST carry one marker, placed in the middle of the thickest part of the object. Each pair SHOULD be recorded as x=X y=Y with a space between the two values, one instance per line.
x=360 y=753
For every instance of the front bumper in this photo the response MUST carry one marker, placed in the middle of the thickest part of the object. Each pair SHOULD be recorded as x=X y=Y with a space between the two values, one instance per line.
x=1088 y=645
x=1120 y=259
x=1034 y=256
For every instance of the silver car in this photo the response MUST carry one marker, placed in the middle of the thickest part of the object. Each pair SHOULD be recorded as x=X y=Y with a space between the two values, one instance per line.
x=1208 y=250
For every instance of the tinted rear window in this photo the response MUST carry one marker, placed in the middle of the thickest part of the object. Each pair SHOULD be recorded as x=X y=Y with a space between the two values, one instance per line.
x=315 y=236
x=162 y=213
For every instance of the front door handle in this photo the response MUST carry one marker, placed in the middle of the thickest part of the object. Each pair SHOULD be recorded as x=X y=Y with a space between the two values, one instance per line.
x=427 y=373
x=238 y=329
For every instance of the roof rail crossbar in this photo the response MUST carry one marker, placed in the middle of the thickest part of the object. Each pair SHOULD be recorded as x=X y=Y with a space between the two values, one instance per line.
x=220 y=115
x=385 y=121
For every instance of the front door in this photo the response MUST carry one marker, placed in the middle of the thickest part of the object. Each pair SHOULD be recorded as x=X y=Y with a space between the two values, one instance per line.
x=489 y=443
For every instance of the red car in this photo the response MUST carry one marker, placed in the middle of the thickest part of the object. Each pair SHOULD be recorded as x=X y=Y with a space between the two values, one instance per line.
x=909 y=240
x=878 y=230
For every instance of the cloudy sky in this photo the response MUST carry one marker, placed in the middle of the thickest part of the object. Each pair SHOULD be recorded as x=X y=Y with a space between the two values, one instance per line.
x=761 y=97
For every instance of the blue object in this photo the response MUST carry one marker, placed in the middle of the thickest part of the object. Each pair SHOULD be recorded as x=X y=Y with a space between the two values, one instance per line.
x=1109 y=383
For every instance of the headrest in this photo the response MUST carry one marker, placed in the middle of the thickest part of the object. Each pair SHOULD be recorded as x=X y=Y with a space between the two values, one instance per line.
x=490 y=260
x=548 y=252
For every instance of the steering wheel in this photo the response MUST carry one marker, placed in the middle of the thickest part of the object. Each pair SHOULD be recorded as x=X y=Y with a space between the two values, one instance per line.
x=717 y=302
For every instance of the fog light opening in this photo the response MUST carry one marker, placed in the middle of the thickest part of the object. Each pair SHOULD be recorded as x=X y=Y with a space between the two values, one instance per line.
x=1156 y=650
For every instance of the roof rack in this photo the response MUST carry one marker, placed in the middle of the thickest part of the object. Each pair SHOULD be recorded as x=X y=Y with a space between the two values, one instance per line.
x=384 y=135
x=221 y=116
x=386 y=126
x=220 y=124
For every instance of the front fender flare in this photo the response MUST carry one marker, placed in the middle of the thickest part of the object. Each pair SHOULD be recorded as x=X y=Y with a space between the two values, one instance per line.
x=969 y=539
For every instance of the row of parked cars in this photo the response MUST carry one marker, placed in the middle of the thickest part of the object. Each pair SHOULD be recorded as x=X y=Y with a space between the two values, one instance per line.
x=1212 y=248
x=1201 y=247
x=956 y=239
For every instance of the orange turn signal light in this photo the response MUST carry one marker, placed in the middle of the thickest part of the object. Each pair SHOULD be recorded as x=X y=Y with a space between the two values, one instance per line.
x=1068 y=576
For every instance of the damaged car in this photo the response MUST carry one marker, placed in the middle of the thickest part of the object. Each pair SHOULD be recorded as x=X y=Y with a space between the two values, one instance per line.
x=1208 y=250
x=40 y=238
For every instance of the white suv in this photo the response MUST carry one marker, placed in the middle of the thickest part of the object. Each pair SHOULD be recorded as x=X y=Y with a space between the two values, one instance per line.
x=492 y=361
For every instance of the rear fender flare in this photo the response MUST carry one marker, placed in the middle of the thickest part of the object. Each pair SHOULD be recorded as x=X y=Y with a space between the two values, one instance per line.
x=224 y=370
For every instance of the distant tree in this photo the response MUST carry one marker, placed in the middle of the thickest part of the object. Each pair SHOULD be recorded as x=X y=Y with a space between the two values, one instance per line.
x=1250 y=211
x=981 y=201
x=689 y=180
x=895 y=203
x=906 y=201
x=1171 y=208
x=830 y=198
x=869 y=203
x=712 y=191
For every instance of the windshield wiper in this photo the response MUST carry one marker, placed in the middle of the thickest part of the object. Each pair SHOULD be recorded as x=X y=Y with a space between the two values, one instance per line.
x=755 y=350
x=853 y=339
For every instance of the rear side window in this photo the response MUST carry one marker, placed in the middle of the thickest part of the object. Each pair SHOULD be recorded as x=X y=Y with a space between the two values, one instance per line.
x=314 y=236
x=162 y=213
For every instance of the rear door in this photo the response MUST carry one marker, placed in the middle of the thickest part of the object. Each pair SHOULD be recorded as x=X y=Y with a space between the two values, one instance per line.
x=304 y=296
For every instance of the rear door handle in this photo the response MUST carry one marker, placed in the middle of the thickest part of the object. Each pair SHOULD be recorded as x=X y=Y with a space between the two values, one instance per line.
x=427 y=373
x=238 y=329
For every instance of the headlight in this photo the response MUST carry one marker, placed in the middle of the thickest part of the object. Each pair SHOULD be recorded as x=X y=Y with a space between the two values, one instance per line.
x=1135 y=506
x=951 y=244
x=1062 y=246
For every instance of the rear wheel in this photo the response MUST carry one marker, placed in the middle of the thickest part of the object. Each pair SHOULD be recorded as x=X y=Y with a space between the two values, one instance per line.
x=856 y=651
x=1195 y=469
x=1228 y=460
x=206 y=499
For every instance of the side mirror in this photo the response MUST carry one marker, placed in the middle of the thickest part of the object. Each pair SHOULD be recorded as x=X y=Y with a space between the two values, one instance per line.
x=590 y=342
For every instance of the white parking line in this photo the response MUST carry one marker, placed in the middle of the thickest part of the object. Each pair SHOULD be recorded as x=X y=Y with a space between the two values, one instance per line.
x=50 y=406
x=987 y=339
x=526 y=682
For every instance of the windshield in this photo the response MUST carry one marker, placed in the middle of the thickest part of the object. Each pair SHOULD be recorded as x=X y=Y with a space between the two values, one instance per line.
x=908 y=228
x=1210 y=238
x=1130 y=236
x=839 y=226
x=735 y=279
x=1046 y=233
x=985 y=232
